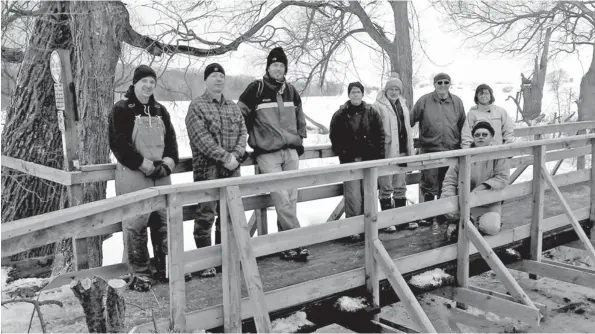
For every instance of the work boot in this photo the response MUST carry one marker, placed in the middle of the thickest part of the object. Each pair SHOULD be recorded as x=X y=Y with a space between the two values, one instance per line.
x=299 y=254
x=452 y=232
x=427 y=221
x=387 y=204
x=140 y=283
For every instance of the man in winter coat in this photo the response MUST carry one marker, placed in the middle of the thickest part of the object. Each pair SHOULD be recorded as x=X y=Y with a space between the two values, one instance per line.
x=398 y=141
x=485 y=175
x=485 y=110
x=143 y=140
x=272 y=110
x=356 y=134
x=441 y=116
x=217 y=137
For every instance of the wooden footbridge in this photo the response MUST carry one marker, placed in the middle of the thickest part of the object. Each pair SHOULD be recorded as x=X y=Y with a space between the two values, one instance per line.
x=376 y=268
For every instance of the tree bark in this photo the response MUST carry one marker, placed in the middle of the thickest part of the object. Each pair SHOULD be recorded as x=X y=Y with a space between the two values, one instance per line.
x=89 y=292
x=31 y=130
x=586 y=102
x=533 y=89
x=401 y=59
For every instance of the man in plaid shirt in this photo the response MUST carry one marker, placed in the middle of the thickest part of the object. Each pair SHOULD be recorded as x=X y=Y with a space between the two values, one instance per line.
x=217 y=136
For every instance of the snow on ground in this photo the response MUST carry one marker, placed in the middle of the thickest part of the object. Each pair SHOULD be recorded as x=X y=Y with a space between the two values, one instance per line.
x=431 y=278
x=350 y=304
x=291 y=324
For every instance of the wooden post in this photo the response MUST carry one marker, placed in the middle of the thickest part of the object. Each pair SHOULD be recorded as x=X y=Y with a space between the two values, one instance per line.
x=371 y=235
x=517 y=173
x=249 y=266
x=232 y=279
x=68 y=122
x=592 y=211
x=261 y=214
x=175 y=262
x=338 y=212
x=465 y=212
x=580 y=160
x=568 y=210
x=538 y=198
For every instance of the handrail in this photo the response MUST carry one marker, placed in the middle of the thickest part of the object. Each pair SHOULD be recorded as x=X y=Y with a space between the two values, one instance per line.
x=51 y=226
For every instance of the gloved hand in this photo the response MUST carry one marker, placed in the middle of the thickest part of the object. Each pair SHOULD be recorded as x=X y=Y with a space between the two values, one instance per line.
x=300 y=150
x=161 y=170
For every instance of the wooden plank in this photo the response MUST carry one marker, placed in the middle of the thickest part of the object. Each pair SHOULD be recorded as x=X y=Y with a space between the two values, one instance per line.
x=464 y=189
x=79 y=245
x=110 y=229
x=300 y=293
x=564 y=274
x=79 y=177
x=385 y=328
x=569 y=266
x=491 y=303
x=249 y=266
x=40 y=171
x=550 y=146
x=568 y=210
x=262 y=221
x=401 y=288
x=498 y=267
x=543 y=309
x=370 y=184
x=557 y=167
x=535 y=246
x=592 y=215
x=251 y=223
x=578 y=244
x=517 y=173
x=232 y=277
x=553 y=128
x=175 y=263
x=338 y=211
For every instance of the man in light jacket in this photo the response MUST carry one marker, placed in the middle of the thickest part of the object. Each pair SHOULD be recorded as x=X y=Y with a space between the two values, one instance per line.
x=398 y=141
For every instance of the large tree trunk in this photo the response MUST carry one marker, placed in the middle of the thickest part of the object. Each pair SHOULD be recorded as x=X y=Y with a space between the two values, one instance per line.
x=31 y=130
x=401 y=59
x=533 y=89
x=586 y=102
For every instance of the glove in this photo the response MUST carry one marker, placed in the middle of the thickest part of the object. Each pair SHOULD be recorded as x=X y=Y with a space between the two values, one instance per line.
x=300 y=150
x=160 y=171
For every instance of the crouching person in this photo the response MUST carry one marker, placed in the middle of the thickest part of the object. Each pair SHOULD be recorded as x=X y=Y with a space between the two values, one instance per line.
x=356 y=134
x=143 y=140
x=217 y=137
x=485 y=175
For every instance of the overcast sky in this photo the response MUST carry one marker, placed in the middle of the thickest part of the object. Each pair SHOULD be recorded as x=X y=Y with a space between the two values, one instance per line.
x=446 y=51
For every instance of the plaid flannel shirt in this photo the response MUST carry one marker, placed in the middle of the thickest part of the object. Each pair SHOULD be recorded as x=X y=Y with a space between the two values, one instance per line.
x=216 y=131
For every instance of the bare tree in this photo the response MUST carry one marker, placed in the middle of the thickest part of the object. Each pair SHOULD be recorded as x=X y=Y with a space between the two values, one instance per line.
x=515 y=27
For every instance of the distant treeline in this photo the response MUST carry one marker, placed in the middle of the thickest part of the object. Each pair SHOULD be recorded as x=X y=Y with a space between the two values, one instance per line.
x=175 y=84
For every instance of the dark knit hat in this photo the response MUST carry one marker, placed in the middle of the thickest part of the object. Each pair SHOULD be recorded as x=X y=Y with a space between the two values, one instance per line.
x=277 y=55
x=441 y=76
x=355 y=84
x=213 y=67
x=483 y=125
x=141 y=72
x=480 y=89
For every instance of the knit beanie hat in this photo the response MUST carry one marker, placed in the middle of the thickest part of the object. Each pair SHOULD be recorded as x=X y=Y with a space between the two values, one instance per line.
x=141 y=72
x=355 y=84
x=277 y=55
x=483 y=125
x=442 y=76
x=211 y=68
x=394 y=81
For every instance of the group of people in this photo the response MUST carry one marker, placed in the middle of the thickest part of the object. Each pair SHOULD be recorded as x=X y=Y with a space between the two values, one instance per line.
x=269 y=118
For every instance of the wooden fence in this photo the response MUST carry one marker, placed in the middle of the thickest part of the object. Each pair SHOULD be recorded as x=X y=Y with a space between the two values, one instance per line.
x=249 y=192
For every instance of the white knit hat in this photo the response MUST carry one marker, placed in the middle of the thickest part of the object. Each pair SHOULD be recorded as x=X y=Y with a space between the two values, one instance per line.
x=394 y=81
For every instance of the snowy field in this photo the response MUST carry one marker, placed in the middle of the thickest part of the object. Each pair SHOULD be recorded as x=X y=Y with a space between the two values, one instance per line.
x=321 y=109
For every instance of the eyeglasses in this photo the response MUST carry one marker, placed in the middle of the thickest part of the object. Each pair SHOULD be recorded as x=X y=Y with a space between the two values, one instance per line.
x=440 y=83
x=481 y=134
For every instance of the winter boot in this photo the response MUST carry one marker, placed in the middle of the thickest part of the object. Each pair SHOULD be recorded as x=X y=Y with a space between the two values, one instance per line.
x=218 y=242
x=140 y=283
x=387 y=204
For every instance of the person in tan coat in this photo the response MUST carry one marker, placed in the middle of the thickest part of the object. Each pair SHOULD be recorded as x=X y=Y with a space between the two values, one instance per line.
x=398 y=141
x=485 y=175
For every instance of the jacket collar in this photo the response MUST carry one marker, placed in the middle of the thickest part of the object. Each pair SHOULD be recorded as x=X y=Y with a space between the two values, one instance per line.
x=481 y=107
x=347 y=105
x=437 y=98
x=209 y=97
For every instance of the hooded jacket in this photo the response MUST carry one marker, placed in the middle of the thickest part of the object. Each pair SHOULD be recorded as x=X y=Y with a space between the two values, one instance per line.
x=440 y=122
x=390 y=124
x=496 y=116
x=367 y=142
x=274 y=117
x=121 y=125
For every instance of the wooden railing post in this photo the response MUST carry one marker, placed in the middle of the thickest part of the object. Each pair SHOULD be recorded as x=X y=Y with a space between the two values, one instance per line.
x=580 y=160
x=464 y=212
x=231 y=279
x=261 y=214
x=175 y=263
x=592 y=211
x=370 y=185
x=538 y=198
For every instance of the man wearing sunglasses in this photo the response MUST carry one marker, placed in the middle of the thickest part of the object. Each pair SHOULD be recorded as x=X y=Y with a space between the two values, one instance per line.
x=441 y=116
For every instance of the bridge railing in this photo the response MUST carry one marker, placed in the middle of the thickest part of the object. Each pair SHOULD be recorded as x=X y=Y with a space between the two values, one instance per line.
x=313 y=183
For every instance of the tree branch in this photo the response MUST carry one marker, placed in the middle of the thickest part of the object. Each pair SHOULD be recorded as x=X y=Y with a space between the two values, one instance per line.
x=370 y=27
x=12 y=55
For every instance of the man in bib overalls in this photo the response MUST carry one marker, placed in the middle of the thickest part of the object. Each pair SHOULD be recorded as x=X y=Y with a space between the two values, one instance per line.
x=143 y=140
